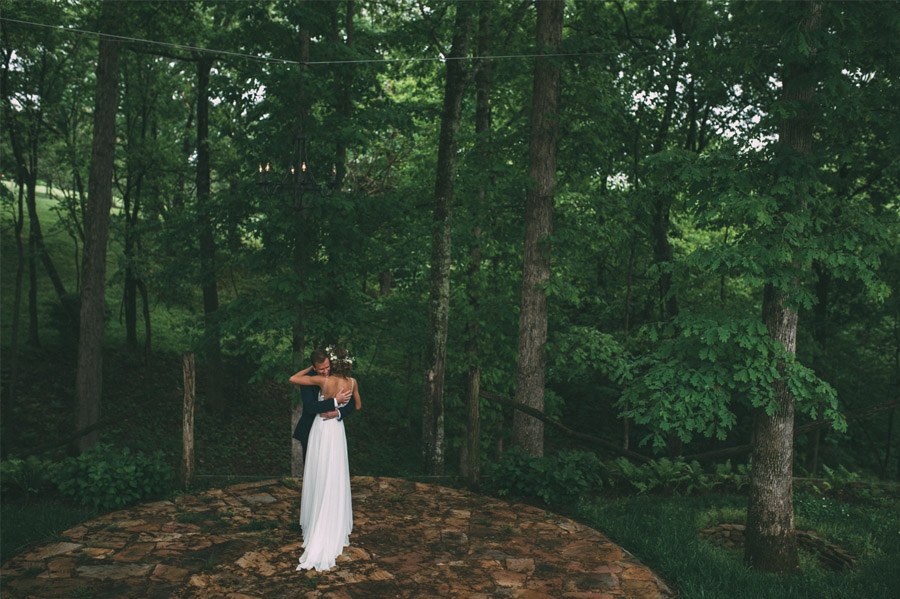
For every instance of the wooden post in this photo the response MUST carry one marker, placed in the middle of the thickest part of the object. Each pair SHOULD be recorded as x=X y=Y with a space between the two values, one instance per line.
x=187 y=432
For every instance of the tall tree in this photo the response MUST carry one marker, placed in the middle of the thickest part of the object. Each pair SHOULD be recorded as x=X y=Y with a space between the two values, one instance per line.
x=36 y=87
x=89 y=377
x=208 y=278
x=301 y=245
x=770 y=543
x=528 y=432
x=439 y=296
x=472 y=448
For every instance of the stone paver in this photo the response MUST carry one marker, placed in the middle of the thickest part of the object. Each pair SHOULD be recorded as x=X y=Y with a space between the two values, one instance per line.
x=409 y=540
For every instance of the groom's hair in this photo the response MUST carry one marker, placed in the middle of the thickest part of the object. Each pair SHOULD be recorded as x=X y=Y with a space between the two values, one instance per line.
x=318 y=356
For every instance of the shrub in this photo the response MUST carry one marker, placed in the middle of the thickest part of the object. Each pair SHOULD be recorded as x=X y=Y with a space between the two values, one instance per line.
x=559 y=479
x=734 y=478
x=674 y=476
x=106 y=477
x=22 y=478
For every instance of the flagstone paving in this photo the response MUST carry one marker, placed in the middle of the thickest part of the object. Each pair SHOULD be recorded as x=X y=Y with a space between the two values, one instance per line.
x=409 y=540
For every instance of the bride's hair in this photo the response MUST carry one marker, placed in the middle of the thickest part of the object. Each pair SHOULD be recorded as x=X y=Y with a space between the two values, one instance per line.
x=341 y=362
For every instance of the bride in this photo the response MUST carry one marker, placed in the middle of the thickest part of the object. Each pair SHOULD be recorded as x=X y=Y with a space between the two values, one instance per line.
x=326 y=513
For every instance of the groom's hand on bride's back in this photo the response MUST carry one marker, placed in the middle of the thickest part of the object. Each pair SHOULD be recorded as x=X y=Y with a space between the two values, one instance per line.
x=344 y=396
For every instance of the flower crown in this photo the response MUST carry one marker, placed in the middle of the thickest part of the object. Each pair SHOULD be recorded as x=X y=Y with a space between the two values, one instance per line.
x=332 y=357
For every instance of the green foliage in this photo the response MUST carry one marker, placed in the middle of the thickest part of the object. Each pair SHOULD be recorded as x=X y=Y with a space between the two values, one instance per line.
x=23 y=478
x=105 y=477
x=835 y=479
x=581 y=351
x=699 y=367
x=563 y=478
x=674 y=476
x=556 y=480
x=735 y=478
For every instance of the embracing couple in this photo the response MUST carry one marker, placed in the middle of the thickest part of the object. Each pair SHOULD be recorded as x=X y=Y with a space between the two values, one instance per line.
x=329 y=394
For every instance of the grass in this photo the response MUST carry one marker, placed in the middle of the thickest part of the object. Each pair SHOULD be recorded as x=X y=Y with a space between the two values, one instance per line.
x=60 y=246
x=26 y=522
x=662 y=532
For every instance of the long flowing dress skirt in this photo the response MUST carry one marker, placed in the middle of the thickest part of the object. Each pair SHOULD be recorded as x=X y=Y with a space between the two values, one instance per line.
x=326 y=512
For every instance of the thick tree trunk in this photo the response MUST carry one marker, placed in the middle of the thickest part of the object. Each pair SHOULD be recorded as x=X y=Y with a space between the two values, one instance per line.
x=770 y=544
x=439 y=297
x=89 y=378
x=531 y=365
x=208 y=277
x=472 y=465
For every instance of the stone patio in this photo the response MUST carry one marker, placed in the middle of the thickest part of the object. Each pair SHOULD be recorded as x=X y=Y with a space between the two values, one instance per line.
x=409 y=540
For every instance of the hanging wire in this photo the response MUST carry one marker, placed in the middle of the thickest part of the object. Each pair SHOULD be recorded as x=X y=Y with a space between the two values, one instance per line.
x=257 y=58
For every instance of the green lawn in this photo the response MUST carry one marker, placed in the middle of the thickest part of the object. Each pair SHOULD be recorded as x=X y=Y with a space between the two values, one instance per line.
x=663 y=533
x=61 y=248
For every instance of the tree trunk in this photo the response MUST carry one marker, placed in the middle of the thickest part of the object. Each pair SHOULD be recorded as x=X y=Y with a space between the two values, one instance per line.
x=17 y=298
x=208 y=278
x=299 y=256
x=343 y=90
x=89 y=378
x=145 y=305
x=129 y=291
x=34 y=339
x=528 y=432
x=472 y=466
x=820 y=335
x=40 y=247
x=770 y=544
x=187 y=421
x=439 y=297
x=662 y=247
x=135 y=183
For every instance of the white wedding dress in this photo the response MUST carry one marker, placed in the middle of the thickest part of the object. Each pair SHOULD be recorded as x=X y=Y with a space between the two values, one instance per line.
x=326 y=513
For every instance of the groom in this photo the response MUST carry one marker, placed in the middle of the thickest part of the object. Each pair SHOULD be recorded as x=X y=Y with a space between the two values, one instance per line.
x=312 y=407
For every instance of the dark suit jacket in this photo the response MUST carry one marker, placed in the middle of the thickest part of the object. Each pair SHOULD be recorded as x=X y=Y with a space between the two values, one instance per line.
x=312 y=407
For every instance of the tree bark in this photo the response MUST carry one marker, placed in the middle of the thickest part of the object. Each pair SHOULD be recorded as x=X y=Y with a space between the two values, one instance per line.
x=136 y=135
x=439 y=296
x=208 y=277
x=17 y=298
x=770 y=544
x=299 y=257
x=89 y=378
x=343 y=91
x=187 y=421
x=662 y=247
x=531 y=365
x=472 y=465
x=820 y=335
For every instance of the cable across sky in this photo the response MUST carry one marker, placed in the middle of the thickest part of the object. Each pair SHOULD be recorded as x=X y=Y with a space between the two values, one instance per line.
x=287 y=61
